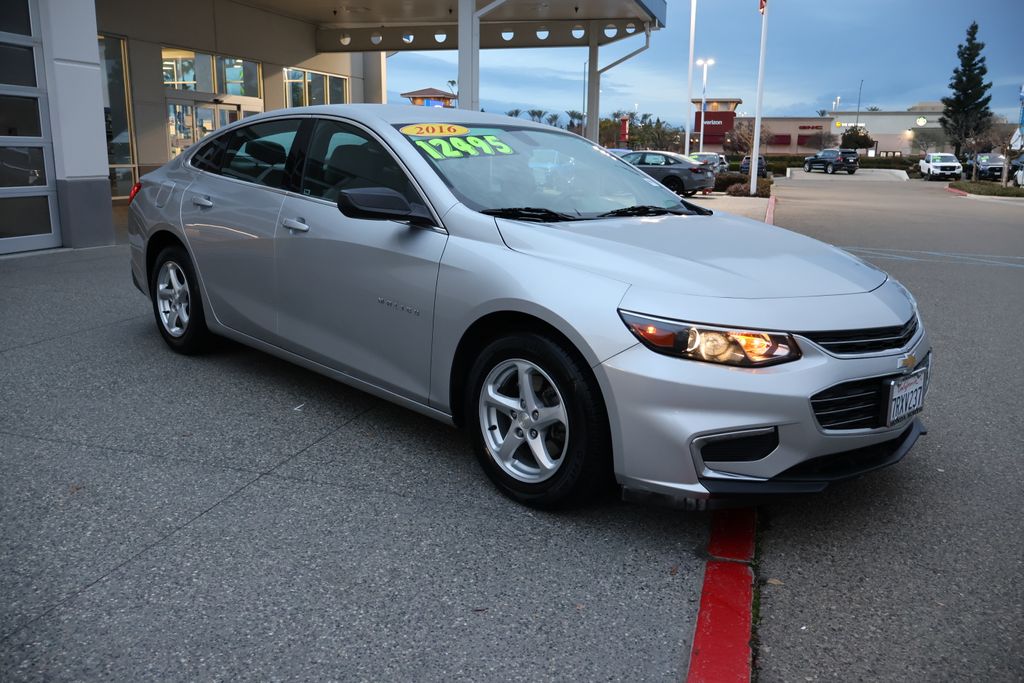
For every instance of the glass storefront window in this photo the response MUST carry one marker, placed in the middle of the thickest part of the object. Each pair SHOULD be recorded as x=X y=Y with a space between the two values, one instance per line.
x=238 y=77
x=17 y=65
x=19 y=116
x=336 y=90
x=180 y=127
x=15 y=18
x=23 y=216
x=302 y=88
x=115 y=102
x=22 y=167
x=121 y=180
x=317 y=89
x=295 y=87
x=187 y=70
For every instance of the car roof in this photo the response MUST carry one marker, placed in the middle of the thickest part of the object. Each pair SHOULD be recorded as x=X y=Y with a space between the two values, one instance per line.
x=396 y=114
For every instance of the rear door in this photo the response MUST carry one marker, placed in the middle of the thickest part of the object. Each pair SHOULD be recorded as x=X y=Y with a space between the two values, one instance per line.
x=357 y=295
x=230 y=214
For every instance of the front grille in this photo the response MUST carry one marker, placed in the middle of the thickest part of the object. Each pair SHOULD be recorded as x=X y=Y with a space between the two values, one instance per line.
x=859 y=404
x=872 y=340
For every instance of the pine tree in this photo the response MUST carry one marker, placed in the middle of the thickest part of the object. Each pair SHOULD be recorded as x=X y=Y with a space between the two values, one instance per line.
x=965 y=113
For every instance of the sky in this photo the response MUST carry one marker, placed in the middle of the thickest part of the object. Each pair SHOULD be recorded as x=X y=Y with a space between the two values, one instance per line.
x=904 y=50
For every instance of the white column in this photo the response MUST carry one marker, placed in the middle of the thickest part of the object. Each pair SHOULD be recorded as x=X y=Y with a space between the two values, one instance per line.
x=375 y=77
x=75 y=84
x=469 y=56
x=593 y=87
x=689 y=78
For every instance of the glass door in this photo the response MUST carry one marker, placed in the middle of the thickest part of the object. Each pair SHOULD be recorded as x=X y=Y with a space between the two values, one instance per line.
x=189 y=121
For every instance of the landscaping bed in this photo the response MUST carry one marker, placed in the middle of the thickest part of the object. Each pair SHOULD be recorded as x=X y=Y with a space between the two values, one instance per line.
x=986 y=187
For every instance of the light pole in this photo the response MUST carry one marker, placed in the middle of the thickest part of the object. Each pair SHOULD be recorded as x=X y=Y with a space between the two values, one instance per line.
x=689 y=78
x=835 y=103
x=703 y=97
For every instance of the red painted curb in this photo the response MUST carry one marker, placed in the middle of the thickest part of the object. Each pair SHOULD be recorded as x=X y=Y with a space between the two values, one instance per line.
x=721 y=642
x=959 y=193
x=732 y=535
x=769 y=215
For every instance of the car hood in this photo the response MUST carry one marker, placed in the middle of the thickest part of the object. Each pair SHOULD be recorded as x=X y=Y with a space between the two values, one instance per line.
x=720 y=255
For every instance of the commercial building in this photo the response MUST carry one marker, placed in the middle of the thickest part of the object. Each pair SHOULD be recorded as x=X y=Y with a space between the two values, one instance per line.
x=96 y=93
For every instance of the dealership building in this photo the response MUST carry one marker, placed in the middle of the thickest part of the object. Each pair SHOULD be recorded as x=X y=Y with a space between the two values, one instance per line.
x=96 y=93
x=894 y=132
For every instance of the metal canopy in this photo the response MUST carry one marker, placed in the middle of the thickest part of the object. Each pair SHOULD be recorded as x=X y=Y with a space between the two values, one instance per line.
x=472 y=25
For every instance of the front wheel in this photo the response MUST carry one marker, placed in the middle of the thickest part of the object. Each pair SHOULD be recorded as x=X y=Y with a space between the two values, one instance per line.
x=538 y=421
x=689 y=193
x=830 y=169
x=851 y=171
x=177 y=304
x=807 y=167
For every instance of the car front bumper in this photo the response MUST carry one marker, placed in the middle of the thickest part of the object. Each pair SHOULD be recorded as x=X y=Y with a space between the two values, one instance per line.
x=664 y=411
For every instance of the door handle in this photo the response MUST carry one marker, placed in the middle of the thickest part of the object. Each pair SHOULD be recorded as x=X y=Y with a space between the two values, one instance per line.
x=201 y=201
x=293 y=224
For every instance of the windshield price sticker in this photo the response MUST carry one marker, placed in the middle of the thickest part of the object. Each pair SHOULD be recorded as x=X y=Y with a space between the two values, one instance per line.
x=433 y=130
x=440 y=148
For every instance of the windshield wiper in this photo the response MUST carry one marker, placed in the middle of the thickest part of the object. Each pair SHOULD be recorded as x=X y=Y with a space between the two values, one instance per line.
x=530 y=213
x=644 y=210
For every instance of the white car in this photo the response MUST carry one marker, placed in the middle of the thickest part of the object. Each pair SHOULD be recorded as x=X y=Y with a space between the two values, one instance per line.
x=940 y=166
x=1018 y=177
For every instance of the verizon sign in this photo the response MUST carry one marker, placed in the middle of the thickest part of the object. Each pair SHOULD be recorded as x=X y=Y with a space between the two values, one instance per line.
x=715 y=122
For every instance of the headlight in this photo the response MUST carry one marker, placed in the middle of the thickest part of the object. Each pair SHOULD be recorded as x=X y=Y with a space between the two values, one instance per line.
x=696 y=341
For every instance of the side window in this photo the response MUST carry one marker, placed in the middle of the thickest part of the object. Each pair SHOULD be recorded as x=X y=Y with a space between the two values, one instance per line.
x=632 y=158
x=210 y=155
x=654 y=159
x=258 y=153
x=343 y=157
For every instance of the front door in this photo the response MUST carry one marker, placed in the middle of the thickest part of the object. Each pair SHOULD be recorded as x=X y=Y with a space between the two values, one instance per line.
x=356 y=295
x=191 y=119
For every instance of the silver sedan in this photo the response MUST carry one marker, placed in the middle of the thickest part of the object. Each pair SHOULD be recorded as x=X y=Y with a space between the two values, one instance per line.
x=581 y=322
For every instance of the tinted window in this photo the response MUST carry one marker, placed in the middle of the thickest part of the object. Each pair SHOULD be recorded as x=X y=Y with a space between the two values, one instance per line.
x=14 y=18
x=19 y=116
x=632 y=158
x=210 y=155
x=259 y=153
x=17 y=65
x=654 y=159
x=342 y=157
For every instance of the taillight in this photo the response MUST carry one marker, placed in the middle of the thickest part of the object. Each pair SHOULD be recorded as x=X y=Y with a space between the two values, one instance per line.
x=134 y=191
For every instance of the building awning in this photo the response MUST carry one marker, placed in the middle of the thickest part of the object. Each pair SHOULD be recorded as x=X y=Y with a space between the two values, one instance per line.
x=781 y=139
x=430 y=93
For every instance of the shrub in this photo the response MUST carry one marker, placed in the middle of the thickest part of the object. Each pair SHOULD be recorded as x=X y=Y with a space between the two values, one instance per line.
x=987 y=187
x=723 y=181
x=764 y=189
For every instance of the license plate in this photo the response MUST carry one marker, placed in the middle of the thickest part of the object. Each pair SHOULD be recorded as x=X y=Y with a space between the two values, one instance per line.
x=906 y=396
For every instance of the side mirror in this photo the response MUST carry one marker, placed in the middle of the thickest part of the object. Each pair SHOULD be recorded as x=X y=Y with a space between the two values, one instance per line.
x=381 y=203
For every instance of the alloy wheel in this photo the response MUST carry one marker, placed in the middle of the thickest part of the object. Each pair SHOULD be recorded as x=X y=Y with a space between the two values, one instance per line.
x=523 y=420
x=172 y=298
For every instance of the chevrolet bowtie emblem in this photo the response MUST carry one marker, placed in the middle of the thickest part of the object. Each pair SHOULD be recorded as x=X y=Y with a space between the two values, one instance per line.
x=908 y=361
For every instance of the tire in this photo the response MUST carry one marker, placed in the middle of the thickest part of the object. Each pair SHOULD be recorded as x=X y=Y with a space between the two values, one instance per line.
x=851 y=171
x=575 y=441
x=674 y=184
x=807 y=167
x=830 y=169
x=926 y=176
x=177 y=304
x=689 y=193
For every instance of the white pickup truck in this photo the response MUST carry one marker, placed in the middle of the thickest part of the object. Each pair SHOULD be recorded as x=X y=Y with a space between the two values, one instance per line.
x=940 y=166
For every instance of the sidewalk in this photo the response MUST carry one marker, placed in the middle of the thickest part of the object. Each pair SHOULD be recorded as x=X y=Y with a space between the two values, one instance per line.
x=750 y=207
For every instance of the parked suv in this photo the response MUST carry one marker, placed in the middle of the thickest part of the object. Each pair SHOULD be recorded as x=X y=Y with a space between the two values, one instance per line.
x=940 y=166
x=832 y=160
x=762 y=166
x=990 y=166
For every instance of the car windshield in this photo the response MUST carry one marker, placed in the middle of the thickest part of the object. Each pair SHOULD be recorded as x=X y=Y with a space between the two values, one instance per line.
x=990 y=158
x=944 y=158
x=537 y=173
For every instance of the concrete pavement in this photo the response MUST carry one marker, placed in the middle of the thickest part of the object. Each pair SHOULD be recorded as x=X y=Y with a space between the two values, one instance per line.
x=231 y=516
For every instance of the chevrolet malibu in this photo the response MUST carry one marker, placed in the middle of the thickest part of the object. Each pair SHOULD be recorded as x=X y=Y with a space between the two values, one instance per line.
x=584 y=325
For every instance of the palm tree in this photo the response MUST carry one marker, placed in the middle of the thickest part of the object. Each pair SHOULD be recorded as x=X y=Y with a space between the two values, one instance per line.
x=514 y=113
x=823 y=112
x=536 y=114
x=553 y=119
x=575 y=118
x=874 y=108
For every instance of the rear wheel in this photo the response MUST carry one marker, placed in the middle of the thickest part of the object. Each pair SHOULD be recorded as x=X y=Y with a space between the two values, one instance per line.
x=538 y=422
x=177 y=304
x=675 y=184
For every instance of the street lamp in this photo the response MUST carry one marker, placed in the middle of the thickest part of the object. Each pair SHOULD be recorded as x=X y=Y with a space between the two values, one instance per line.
x=703 y=97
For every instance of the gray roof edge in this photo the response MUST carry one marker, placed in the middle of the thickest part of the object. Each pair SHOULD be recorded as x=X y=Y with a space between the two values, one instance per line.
x=656 y=9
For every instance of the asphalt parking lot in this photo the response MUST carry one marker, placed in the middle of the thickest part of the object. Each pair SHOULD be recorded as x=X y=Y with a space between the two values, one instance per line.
x=235 y=516
x=915 y=572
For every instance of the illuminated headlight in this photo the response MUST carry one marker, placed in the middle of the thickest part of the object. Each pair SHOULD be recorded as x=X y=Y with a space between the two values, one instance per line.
x=696 y=341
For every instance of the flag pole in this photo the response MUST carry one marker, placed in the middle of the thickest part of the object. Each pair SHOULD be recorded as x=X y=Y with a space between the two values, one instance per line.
x=760 y=96
x=689 y=79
